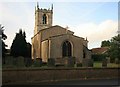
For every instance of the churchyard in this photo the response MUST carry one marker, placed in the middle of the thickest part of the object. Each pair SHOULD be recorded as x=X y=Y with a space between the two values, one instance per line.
x=29 y=71
x=21 y=62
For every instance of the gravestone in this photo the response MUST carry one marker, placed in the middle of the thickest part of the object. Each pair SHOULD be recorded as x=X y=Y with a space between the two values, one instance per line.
x=79 y=64
x=9 y=61
x=87 y=62
x=117 y=61
x=108 y=59
x=104 y=63
x=20 y=61
x=51 y=62
x=28 y=62
x=37 y=62
x=69 y=61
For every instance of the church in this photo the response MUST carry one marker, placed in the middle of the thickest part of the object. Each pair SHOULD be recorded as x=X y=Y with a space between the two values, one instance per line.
x=56 y=42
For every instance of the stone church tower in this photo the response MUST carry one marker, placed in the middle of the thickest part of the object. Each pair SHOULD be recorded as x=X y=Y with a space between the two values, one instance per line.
x=43 y=18
x=55 y=42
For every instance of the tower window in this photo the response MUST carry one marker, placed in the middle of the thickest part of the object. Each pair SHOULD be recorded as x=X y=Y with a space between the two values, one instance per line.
x=44 y=19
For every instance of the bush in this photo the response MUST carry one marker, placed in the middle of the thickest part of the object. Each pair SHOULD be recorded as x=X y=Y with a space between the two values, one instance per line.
x=51 y=62
x=98 y=57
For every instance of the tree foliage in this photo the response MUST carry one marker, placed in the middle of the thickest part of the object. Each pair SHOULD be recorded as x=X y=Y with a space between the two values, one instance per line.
x=99 y=57
x=4 y=37
x=105 y=43
x=114 y=47
x=19 y=45
x=114 y=51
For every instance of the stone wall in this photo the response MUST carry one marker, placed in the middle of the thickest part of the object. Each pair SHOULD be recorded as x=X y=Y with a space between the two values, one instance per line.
x=22 y=76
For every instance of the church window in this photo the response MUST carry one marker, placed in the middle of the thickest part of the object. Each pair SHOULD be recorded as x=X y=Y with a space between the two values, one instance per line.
x=44 y=19
x=66 y=49
x=84 y=55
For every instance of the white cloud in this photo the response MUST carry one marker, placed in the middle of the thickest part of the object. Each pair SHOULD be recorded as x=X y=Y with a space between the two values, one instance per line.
x=13 y=19
x=96 y=32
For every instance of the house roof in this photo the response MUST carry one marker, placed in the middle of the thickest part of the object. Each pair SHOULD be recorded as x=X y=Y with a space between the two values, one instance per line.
x=100 y=50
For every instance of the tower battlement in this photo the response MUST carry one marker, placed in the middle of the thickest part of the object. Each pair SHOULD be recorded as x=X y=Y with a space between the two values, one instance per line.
x=43 y=18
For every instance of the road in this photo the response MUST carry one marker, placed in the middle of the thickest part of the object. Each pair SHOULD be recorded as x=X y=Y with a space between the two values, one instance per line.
x=84 y=82
x=93 y=82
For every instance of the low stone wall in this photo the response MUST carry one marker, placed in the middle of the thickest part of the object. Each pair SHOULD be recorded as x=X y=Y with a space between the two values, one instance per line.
x=22 y=76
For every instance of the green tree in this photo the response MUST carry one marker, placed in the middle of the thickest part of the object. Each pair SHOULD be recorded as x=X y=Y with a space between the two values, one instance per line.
x=4 y=37
x=19 y=45
x=114 y=51
x=105 y=43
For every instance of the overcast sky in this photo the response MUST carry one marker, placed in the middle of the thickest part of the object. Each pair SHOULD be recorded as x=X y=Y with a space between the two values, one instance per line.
x=97 y=21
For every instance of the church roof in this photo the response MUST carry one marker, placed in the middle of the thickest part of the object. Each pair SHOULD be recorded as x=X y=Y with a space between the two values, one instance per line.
x=65 y=35
x=55 y=26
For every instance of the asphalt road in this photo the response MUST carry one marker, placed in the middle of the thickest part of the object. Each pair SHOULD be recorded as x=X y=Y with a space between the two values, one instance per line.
x=79 y=83
x=84 y=82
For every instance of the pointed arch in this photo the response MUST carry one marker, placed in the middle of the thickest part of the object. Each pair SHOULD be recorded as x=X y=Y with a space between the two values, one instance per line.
x=44 y=19
x=66 y=49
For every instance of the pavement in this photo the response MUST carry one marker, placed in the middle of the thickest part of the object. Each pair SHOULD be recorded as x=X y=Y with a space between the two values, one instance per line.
x=80 y=83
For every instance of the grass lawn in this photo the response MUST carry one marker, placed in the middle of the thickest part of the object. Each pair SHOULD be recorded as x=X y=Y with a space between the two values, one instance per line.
x=113 y=65
x=99 y=64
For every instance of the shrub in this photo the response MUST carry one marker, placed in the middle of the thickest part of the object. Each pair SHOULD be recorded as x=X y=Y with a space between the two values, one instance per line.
x=98 y=57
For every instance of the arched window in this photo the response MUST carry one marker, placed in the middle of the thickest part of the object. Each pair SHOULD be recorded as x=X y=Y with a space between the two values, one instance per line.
x=66 y=49
x=44 y=19
x=84 y=54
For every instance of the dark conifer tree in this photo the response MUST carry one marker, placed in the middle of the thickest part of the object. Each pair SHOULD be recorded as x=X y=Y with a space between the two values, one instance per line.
x=19 y=45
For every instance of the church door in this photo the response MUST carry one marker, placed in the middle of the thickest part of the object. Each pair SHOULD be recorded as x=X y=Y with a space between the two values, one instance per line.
x=66 y=49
